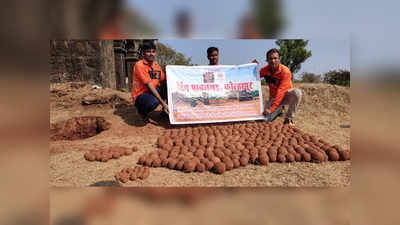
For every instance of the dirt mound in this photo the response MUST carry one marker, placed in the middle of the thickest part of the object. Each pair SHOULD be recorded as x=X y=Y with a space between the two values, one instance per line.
x=78 y=128
x=67 y=95
x=325 y=96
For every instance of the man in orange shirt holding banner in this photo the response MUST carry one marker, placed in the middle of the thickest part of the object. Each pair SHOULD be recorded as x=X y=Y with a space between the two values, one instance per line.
x=147 y=92
x=281 y=91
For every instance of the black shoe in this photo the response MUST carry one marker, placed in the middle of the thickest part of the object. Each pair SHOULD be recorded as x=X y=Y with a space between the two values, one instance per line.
x=164 y=115
x=145 y=118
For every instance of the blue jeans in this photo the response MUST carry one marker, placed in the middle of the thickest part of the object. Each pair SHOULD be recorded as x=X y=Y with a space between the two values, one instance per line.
x=147 y=102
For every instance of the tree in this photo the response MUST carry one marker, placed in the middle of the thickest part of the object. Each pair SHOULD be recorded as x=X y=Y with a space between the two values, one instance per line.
x=168 y=56
x=293 y=53
x=310 y=78
x=340 y=77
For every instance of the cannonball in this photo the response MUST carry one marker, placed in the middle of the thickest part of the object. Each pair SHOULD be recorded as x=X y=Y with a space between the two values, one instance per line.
x=189 y=166
x=203 y=160
x=117 y=176
x=104 y=158
x=199 y=153
x=179 y=165
x=171 y=163
x=195 y=160
x=219 y=168
x=253 y=158
x=325 y=156
x=133 y=176
x=124 y=178
x=148 y=161
x=235 y=156
x=244 y=161
x=156 y=163
x=272 y=155
x=142 y=159
x=297 y=157
x=290 y=157
x=333 y=155
x=139 y=172
x=128 y=152
x=263 y=160
x=90 y=156
x=200 y=167
x=130 y=170
x=306 y=156
x=344 y=155
x=146 y=173
x=215 y=160
x=98 y=156
x=86 y=155
x=317 y=156
x=236 y=163
x=209 y=165
x=219 y=154
x=163 y=154
x=167 y=147
x=227 y=152
x=281 y=158
x=154 y=155
x=228 y=164
x=116 y=155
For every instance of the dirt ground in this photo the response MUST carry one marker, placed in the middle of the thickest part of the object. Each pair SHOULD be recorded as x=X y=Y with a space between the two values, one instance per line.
x=324 y=112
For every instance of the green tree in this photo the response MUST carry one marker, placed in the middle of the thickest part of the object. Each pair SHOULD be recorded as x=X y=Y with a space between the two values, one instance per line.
x=293 y=53
x=310 y=78
x=168 y=56
x=340 y=77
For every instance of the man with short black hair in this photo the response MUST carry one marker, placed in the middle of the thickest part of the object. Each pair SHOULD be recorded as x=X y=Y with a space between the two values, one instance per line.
x=281 y=91
x=147 y=92
x=213 y=56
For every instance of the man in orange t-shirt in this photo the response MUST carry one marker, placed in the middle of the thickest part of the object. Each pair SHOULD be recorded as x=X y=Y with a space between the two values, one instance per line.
x=281 y=91
x=149 y=90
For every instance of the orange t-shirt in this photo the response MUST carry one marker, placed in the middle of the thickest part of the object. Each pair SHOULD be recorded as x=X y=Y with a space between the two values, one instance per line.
x=277 y=91
x=144 y=73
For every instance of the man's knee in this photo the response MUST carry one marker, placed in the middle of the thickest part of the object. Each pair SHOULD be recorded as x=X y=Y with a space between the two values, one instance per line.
x=294 y=94
x=153 y=102
x=298 y=92
x=147 y=102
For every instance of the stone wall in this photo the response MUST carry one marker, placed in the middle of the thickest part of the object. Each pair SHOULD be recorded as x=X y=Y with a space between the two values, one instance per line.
x=108 y=63
x=82 y=60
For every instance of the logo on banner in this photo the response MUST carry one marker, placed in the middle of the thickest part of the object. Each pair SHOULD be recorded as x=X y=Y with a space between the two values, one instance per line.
x=208 y=77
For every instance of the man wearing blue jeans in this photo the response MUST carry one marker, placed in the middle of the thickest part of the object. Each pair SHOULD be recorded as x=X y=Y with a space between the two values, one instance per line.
x=149 y=89
x=147 y=102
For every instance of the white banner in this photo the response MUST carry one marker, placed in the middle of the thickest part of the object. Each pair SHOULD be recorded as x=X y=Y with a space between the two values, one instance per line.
x=208 y=94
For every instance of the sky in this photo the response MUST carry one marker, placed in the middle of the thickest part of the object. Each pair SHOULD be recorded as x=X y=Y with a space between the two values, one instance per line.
x=211 y=19
x=367 y=28
x=326 y=54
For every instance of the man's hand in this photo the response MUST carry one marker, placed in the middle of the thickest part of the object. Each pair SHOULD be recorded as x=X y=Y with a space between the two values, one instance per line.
x=267 y=112
x=165 y=107
x=254 y=61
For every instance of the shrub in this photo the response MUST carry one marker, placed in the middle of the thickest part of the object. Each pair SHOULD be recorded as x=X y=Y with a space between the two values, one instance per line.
x=341 y=77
